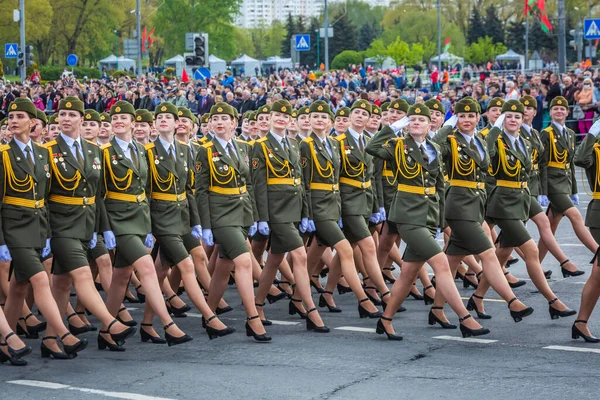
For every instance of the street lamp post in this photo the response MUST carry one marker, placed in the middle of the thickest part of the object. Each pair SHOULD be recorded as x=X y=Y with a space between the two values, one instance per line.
x=138 y=12
x=326 y=41
x=439 y=37
x=526 y=66
x=116 y=47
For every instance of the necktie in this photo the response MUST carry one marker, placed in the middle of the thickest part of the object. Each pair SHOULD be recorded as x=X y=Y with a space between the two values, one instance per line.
x=285 y=145
x=172 y=153
x=231 y=152
x=474 y=149
x=423 y=154
x=326 y=147
x=28 y=156
x=78 y=155
x=361 y=144
x=134 y=157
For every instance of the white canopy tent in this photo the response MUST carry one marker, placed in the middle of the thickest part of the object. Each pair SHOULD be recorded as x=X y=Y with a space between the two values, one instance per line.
x=448 y=58
x=216 y=65
x=388 y=63
x=510 y=55
x=245 y=64
x=277 y=62
x=121 y=63
x=177 y=62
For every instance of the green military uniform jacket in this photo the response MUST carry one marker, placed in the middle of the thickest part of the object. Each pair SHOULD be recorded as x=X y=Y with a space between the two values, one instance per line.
x=557 y=180
x=320 y=177
x=277 y=181
x=464 y=165
x=356 y=178
x=386 y=183
x=537 y=148
x=124 y=190
x=81 y=185
x=588 y=156
x=413 y=173
x=508 y=164
x=173 y=215
x=224 y=192
x=23 y=225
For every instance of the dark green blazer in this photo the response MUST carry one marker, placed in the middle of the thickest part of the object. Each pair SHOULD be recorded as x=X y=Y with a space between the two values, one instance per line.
x=75 y=221
x=587 y=156
x=557 y=180
x=537 y=148
x=219 y=210
x=21 y=226
x=505 y=202
x=124 y=217
x=278 y=203
x=323 y=205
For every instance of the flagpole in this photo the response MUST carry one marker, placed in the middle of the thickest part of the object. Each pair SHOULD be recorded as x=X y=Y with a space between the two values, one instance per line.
x=439 y=38
x=526 y=40
x=562 y=38
x=138 y=12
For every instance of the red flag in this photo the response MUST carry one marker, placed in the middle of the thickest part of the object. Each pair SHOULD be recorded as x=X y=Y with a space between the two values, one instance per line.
x=144 y=40
x=150 y=38
x=184 y=76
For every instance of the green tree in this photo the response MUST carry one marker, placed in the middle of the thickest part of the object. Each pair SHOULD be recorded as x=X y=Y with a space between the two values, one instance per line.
x=310 y=57
x=345 y=58
x=493 y=25
x=344 y=35
x=484 y=50
x=377 y=51
x=366 y=34
x=290 y=30
x=476 y=27
x=358 y=11
x=515 y=33
x=399 y=51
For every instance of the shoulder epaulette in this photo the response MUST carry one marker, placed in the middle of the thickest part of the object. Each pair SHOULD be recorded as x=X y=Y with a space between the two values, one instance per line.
x=92 y=143
x=341 y=137
x=106 y=146
x=308 y=140
x=596 y=145
x=240 y=140
x=194 y=143
x=207 y=145
x=183 y=143
x=548 y=128
x=49 y=144
x=295 y=139
x=202 y=140
x=149 y=146
x=4 y=147
x=262 y=139
x=37 y=144
x=251 y=143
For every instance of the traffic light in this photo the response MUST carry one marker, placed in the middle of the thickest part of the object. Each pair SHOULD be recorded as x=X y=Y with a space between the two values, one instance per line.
x=29 y=56
x=20 y=58
x=200 y=55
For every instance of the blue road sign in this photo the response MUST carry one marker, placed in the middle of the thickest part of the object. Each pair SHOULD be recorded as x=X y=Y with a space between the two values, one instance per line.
x=201 y=74
x=591 y=29
x=71 y=60
x=11 y=50
x=302 y=42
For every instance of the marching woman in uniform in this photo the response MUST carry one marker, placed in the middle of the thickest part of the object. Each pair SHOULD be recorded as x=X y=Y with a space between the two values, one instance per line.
x=467 y=160
x=509 y=202
x=124 y=190
x=588 y=157
x=226 y=206
x=415 y=211
x=24 y=231
x=559 y=185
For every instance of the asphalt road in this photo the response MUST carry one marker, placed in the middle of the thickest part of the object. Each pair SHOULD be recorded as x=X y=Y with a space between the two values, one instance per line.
x=350 y=362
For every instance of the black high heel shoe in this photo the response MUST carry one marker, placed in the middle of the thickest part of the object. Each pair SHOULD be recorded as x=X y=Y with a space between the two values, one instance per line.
x=73 y=348
x=177 y=312
x=265 y=322
x=36 y=328
x=468 y=332
x=215 y=333
x=324 y=272
x=141 y=296
x=511 y=262
x=56 y=355
x=519 y=315
x=223 y=310
x=98 y=287
x=318 y=288
x=311 y=326
x=576 y=333
x=343 y=289
x=516 y=284
x=25 y=332
x=249 y=332
x=22 y=352
x=91 y=326
x=384 y=303
x=380 y=330
x=387 y=278
x=122 y=336
x=105 y=344
x=172 y=340
x=556 y=314
x=130 y=299
x=292 y=309
x=275 y=298
x=548 y=274
x=467 y=282
x=278 y=286
x=433 y=282
x=126 y=323
x=374 y=300
x=472 y=306
x=414 y=295
x=426 y=298
x=17 y=362
x=146 y=337
x=363 y=313
x=73 y=329
x=566 y=273
x=323 y=303
x=433 y=319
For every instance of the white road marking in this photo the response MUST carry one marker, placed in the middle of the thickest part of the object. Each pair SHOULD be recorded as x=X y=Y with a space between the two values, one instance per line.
x=492 y=300
x=576 y=349
x=572 y=244
x=355 y=329
x=274 y=321
x=469 y=340
x=56 y=386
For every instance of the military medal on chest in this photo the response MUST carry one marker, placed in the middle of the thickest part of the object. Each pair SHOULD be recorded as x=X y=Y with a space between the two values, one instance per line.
x=114 y=160
x=270 y=153
x=347 y=149
x=96 y=164
x=47 y=169
x=215 y=157
x=156 y=160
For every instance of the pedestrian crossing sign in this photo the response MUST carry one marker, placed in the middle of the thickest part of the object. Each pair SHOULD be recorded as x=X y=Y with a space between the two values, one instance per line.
x=302 y=42
x=11 y=50
x=591 y=29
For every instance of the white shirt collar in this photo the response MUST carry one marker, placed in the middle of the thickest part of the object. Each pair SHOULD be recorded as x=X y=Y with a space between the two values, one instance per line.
x=69 y=140
x=561 y=128
x=165 y=144
x=357 y=136
x=512 y=139
x=23 y=145
x=223 y=143
x=527 y=128
x=467 y=137
x=123 y=144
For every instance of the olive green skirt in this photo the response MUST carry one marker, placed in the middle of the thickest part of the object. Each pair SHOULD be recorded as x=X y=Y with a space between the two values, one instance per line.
x=420 y=242
x=25 y=263
x=69 y=255
x=559 y=203
x=130 y=248
x=356 y=228
x=171 y=249
x=467 y=237
x=513 y=233
x=99 y=250
x=328 y=233
x=231 y=241
x=285 y=237
x=190 y=242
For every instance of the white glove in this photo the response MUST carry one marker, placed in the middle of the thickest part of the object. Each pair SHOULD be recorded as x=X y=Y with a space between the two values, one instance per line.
x=500 y=121
x=400 y=124
x=595 y=129
x=451 y=121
